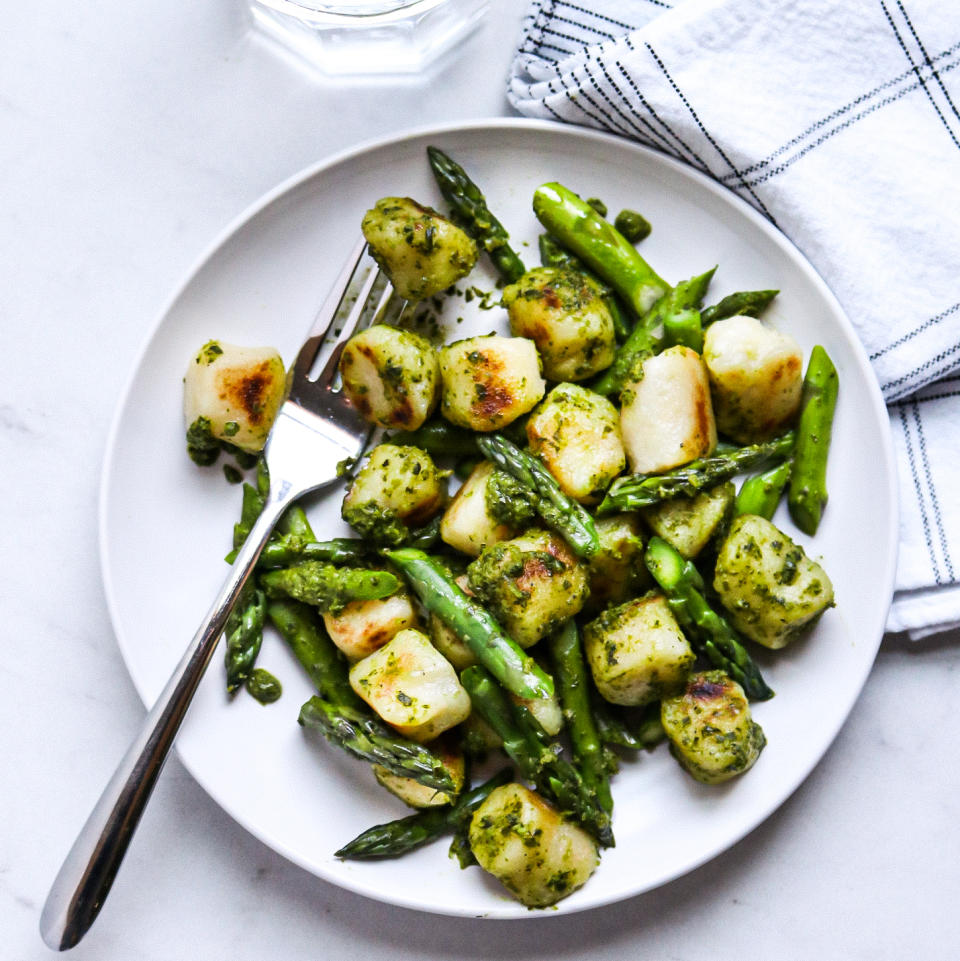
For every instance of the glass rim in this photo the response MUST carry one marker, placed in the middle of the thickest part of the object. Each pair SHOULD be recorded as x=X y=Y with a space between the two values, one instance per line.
x=372 y=10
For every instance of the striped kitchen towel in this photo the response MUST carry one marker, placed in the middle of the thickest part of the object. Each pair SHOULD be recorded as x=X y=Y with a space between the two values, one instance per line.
x=840 y=121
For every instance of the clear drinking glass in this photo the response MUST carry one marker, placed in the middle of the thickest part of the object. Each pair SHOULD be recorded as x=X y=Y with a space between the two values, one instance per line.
x=368 y=37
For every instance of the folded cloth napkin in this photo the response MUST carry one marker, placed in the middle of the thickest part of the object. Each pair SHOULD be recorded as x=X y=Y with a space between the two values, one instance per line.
x=840 y=122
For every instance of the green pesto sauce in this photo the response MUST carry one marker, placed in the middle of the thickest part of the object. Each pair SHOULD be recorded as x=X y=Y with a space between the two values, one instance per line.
x=202 y=447
x=328 y=587
x=209 y=352
x=263 y=686
x=380 y=524
x=509 y=501
x=634 y=226
x=598 y=205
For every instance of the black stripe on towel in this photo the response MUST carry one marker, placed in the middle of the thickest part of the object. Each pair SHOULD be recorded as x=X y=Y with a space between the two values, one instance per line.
x=929 y=62
x=623 y=108
x=932 y=322
x=916 y=68
x=931 y=487
x=693 y=156
x=839 y=128
x=706 y=133
x=573 y=97
x=925 y=370
x=919 y=492
x=606 y=19
x=925 y=395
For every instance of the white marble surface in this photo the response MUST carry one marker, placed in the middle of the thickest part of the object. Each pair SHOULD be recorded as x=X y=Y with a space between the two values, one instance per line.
x=130 y=135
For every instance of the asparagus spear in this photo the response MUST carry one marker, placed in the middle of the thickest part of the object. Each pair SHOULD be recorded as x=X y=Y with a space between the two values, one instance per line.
x=423 y=538
x=504 y=658
x=302 y=629
x=250 y=507
x=530 y=749
x=244 y=636
x=471 y=211
x=288 y=549
x=509 y=501
x=263 y=476
x=553 y=255
x=616 y=727
x=808 y=482
x=573 y=686
x=294 y=520
x=338 y=713
x=327 y=587
x=579 y=228
x=708 y=631
x=438 y=437
x=750 y=302
x=394 y=838
x=685 y=328
x=366 y=737
x=641 y=490
x=644 y=338
x=559 y=512
x=761 y=494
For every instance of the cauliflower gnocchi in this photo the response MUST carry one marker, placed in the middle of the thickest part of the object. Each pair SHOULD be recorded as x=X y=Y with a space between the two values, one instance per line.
x=391 y=376
x=231 y=394
x=550 y=561
x=565 y=314
x=666 y=417
x=418 y=248
x=488 y=382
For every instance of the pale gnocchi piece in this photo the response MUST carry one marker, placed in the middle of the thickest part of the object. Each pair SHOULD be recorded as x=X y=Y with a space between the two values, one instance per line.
x=637 y=652
x=418 y=795
x=391 y=376
x=412 y=687
x=564 y=313
x=233 y=393
x=420 y=250
x=710 y=729
x=467 y=524
x=688 y=523
x=364 y=626
x=546 y=711
x=666 y=418
x=755 y=377
x=531 y=584
x=398 y=488
x=488 y=382
x=527 y=845
x=616 y=570
x=772 y=591
x=576 y=433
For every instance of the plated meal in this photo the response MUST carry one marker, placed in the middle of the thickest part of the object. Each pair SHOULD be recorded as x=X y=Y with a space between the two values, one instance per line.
x=166 y=523
x=597 y=580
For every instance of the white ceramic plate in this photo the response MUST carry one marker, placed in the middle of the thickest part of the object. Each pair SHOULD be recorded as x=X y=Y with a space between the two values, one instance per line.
x=165 y=524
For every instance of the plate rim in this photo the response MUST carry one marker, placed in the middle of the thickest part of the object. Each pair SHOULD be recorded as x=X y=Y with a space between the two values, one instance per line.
x=297 y=179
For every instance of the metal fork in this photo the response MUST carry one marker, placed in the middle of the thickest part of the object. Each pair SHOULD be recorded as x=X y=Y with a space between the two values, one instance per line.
x=315 y=432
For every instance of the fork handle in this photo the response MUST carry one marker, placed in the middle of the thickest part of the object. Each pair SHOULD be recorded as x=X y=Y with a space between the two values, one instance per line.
x=84 y=880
